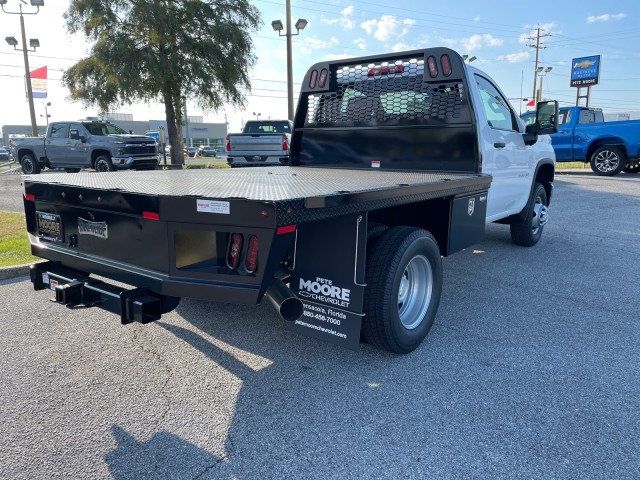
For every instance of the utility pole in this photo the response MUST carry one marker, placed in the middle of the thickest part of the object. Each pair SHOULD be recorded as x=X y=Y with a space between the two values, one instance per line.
x=537 y=46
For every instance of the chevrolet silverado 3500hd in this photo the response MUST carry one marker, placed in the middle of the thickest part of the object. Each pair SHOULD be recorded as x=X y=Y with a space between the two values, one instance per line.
x=396 y=161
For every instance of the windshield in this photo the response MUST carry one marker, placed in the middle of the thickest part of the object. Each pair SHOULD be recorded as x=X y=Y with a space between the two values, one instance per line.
x=96 y=128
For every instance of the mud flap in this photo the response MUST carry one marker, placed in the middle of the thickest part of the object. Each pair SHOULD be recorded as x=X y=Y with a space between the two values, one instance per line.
x=328 y=277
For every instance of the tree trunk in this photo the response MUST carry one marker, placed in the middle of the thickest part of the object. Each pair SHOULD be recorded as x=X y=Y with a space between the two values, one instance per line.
x=175 y=136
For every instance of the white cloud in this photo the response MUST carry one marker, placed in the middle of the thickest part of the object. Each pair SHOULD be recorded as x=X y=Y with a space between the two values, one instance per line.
x=545 y=28
x=476 y=42
x=400 y=47
x=387 y=27
x=606 y=17
x=361 y=43
x=344 y=20
x=515 y=57
x=312 y=43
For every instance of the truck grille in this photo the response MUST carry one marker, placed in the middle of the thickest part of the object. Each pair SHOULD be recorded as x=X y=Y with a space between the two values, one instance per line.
x=365 y=97
x=140 y=149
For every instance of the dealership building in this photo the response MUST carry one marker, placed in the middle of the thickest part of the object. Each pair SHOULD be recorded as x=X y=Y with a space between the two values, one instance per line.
x=194 y=133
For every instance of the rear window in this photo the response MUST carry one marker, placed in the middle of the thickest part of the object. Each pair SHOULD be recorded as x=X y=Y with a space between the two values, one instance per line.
x=271 y=127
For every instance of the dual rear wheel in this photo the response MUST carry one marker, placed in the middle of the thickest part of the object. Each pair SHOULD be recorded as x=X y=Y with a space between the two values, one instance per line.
x=404 y=283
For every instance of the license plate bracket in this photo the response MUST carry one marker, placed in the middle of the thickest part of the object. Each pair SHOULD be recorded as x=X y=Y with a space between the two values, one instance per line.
x=50 y=227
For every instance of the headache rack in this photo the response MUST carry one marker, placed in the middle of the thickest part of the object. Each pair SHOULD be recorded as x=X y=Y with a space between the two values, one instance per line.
x=408 y=111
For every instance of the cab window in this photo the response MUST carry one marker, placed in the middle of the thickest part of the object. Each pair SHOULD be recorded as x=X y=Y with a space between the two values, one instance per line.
x=60 y=130
x=496 y=107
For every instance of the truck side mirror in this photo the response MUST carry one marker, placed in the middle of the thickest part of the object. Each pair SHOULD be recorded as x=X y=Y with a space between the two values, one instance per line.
x=75 y=135
x=546 y=121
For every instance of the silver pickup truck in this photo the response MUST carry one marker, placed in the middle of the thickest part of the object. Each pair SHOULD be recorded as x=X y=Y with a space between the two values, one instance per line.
x=261 y=143
x=100 y=145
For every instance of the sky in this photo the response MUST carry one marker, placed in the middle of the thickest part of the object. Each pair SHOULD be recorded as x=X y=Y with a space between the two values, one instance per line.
x=497 y=32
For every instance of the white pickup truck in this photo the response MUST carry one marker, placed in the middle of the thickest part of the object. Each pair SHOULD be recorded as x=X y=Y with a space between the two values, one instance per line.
x=397 y=161
x=261 y=143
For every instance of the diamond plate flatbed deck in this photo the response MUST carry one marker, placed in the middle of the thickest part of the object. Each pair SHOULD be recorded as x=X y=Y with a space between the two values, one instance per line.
x=320 y=192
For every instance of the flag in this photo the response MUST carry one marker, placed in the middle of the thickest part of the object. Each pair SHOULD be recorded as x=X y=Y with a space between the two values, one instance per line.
x=39 y=82
x=531 y=105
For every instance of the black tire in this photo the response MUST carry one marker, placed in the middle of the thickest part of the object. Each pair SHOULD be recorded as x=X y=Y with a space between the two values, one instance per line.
x=528 y=232
x=404 y=284
x=72 y=170
x=103 y=164
x=29 y=165
x=608 y=161
x=374 y=229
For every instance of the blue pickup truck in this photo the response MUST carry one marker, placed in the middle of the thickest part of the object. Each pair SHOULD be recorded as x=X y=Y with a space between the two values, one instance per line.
x=583 y=135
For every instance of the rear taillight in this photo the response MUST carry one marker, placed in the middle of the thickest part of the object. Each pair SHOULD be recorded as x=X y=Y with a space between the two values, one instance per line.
x=313 y=79
x=285 y=143
x=234 y=251
x=251 y=260
x=446 y=65
x=323 y=77
x=433 y=67
x=228 y=146
x=30 y=197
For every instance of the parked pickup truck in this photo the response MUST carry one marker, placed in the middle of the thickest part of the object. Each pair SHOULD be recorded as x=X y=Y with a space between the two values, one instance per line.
x=609 y=147
x=262 y=142
x=85 y=144
x=396 y=161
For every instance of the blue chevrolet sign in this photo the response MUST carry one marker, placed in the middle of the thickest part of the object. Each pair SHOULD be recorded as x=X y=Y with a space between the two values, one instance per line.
x=585 y=71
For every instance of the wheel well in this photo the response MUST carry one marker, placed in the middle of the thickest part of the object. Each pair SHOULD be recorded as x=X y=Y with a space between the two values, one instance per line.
x=96 y=153
x=601 y=142
x=25 y=151
x=545 y=175
x=431 y=215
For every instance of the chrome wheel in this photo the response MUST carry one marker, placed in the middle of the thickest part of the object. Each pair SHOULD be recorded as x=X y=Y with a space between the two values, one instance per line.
x=540 y=215
x=415 y=291
x=607 y=161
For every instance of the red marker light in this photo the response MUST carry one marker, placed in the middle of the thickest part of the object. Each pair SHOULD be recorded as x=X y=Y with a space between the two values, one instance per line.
x=433 y=68
x=151 y=215
x=30 y=197
x=323 y=77
x=446 y=65
x=286 y=229
x=313 y=79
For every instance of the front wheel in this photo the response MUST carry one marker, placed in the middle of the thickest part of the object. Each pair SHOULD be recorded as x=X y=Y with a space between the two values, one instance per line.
x=103 y=164
x=608 y=161
x=527 y=232
x=404 y=284
x=29 y=165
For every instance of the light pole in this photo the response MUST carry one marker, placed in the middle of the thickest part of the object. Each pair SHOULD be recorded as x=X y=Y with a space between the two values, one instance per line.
x=33 y=43
x=257 y=115
x=278 y=27
x=541 y=71
x=46 y=111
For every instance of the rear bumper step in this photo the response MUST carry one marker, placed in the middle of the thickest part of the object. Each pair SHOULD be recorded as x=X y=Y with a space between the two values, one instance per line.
x=75 y=289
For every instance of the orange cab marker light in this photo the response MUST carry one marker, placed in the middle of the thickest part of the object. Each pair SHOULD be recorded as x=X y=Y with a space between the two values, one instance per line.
x=151 y=215
x=286 y=229
x=29 y=196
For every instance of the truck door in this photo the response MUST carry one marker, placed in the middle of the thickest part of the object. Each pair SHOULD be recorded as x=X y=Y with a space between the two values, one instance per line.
x=563 y=140
x=59 y=147
x=504 y=154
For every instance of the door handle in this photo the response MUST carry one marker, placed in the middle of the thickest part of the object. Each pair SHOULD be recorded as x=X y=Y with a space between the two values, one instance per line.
x=563 y=131
x=499 y=145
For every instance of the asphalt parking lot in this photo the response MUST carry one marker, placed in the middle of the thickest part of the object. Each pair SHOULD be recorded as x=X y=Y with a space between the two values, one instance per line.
x=530 y=371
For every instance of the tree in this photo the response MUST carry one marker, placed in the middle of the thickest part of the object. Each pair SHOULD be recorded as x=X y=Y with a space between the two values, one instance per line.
x=163 y=50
